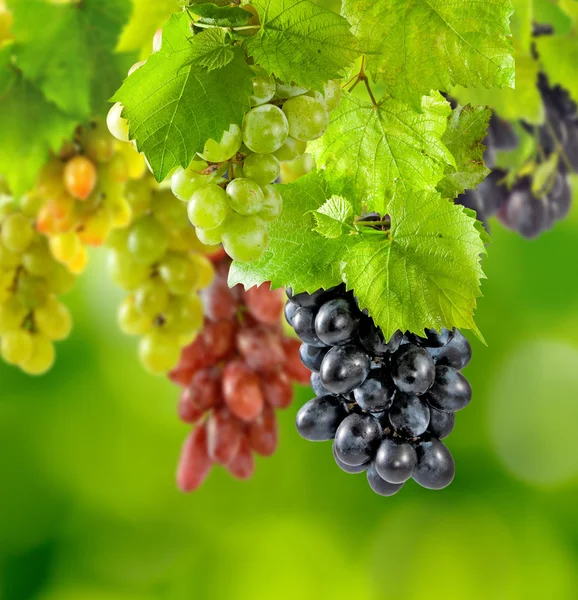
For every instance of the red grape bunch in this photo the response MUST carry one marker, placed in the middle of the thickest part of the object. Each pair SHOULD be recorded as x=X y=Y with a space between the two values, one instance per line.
x=234 y=376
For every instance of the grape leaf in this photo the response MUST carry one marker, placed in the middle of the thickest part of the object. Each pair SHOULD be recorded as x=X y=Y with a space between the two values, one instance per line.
x=378 y=146
x=522 y=102
x=426 y=273
x=211 y=49
x=221 y=16
x=331 y=217
x=172 y=121
x=415 y=46
x=297 y=256
x=26 y=116
x=300 y=42
x=467 y=127
x=63 y=48
x=570 y=7
x=559 y=57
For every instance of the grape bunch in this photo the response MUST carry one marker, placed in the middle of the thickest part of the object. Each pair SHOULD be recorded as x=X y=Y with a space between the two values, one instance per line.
x=83 y=192
x=161 y=263
x=234 y=376
x=31 y=316
x=229 y=185
x=385 y=404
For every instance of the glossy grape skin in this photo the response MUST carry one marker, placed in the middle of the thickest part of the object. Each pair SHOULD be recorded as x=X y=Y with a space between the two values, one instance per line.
x=208 y=207
x=357 y=438
x=147 y=241
x=344 y=368
x=434 y=339
x=289 y=310
x=272 y=203
x=264 y=88
x=525 y=213
x=413 y=369
x=210 y=237
x=336 y=322
x=265 y=129
x=303 y=322
x=348 y=468
x=245 y=196
x=435 y=467
x=318 y=419
x=245 y=238
x=292 y=149
x=318 y=388
x=373 y=341
x=331 y=95
x=457 y=353
x=307 y=117
x=376 y=393
x=409 y=416
x=379 y=485
x=262 y=168
x=451 y=391
x=185 y=182
x=117 y=125
x=288 y=90
x=159 y=353
x=441 y=423
x=395 y=461
x=312 y=356
x=225 y=148
x=316 y=299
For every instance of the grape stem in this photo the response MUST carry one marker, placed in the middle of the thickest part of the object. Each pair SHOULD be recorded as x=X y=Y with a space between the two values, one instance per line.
x=559 y=146
x=244 y=28
x=362 y=76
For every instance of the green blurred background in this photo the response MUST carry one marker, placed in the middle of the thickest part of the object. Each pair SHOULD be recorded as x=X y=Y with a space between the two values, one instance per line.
x=89 y=509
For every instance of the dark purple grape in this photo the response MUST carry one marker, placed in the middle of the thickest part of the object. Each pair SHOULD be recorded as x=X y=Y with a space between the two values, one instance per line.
x=413 y=369
x=317 y=386
x=474 y=201
x=571 y=147
x=357 y=438
x=409 y=416
x=379 y=485
x=344 y=368
x=457 y=353
x=337 y=322
x=435 y=467
x=395 y=461
x=376 y=393
x=318 y=419
x=373 y=341
x=312 y=356
x=525 y=213
x=441 y=423
x=451 y=391
x=348 y=468
x=433 y=339
x=560 y=198
x=503 y=135
x=493 y=193
x=303 y=322
x=290 y=309
x=316 y=299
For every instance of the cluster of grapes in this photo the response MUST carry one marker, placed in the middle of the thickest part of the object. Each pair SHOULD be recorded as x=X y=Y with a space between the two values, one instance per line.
x=82 y=190
x=229 y=186
x=386 y=404
x=234 y=376
x=159 y=260
x=31 y=316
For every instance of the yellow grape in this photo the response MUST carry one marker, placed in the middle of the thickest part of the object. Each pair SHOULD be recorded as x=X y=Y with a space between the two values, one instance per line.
x=184 y=315
x=139 y=195
x=80 y=177
x=62 y=280
x=96 y=228
x=53 y=319
x=121 y=212
x=8 y=259
x=41 y=358
x=38 y=260
x=30 y=204
x=16 y=346
x=179 y=273
x=12 y=315
x=6 y=282
x=97 y=142
x=117 y=240
x=64 y=246
x=125 y=271
x=17 y=232
x=151 y=298
x=79 y=262
x=117 y=169
x=130 y=320
x=204 y=269
x=50 y=182
x=31 y=291
x=159 y=352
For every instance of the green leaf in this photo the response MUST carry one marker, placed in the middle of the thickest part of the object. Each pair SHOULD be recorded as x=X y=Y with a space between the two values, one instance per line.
x=174 y=105
x=545 y=175
x=65 y=49
x=523 y=102
x=379 y=146
x=297 y=256
x=211 y=49
x=415 y=46
x=559 y=57
x=332 y=216
x=467 y=127
x=301 y=42
x=427 y=273
x=30 y=127
x=221 y=16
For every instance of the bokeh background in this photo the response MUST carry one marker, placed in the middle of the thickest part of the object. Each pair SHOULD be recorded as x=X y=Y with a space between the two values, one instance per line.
x=89 y=509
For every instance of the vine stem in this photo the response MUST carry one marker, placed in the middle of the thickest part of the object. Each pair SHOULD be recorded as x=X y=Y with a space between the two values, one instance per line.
x=362 y=76
x=207 y=26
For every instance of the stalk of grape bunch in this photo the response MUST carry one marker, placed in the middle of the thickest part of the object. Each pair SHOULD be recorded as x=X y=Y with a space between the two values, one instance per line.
x=234 y=377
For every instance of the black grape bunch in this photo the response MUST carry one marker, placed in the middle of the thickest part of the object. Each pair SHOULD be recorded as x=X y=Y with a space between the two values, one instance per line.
x=534 y=199
x=385 y=405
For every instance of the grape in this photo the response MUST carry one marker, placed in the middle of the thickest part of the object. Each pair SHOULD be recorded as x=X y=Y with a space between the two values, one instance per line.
x=188 y=412
x=289 y=311
x=272 y=205
x=245 y=196
x=151 y=298
x=312 y=356
x=318 y=388
x=243 y=465
x=262 y=168
x=125 y=271
x=32 y=292
x=139 y=195
x=294 y=368
x=344 y=368
x=264 y=304
x=379 y=485
x=262 y=433
x=42 y=357
x=53 y=319
x=195 y=464
x=331 y=94
x=263 y=88
x=291 y=150
x=319 y=419
x=12 y=314
x=38 y=261
x=159 y=352
x=451 y=391
x=409 y=416
x=457 y=353
x=435 y=467
x=503 y=135
x=288 y=90
x=395 y=461
x=336 y=322
x=117 y=125
x=560 y=198
x=316 y=299
x=242 y=391
x=307 y=117
x=356 y=439
x=17 y=232
x=62 y=280
x=8 y=259
x=179 y=274
x=224 y=436
x=17 y=346
x=347 y=468
x=441 y=423
x=413 y=369
x=80 y=177
x=245 y=238
x=525 y=213
x=277 y=389
x=184 y=315
x=218 y=301
x=210 y=237
x=130 y=320
x=96 y=141
x=303 y=322
x=265 y=129
x=147 y=241
x=376 y=393
x=204 y=389
x=260 y=348
x=208 y=207
x=433 y=339
x=224 y=149
x=185 y=182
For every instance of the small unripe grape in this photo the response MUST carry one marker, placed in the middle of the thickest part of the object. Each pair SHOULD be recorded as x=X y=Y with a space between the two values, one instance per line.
x=210 y=237
x=245 y=238
x=264 y=88
x=273 y=204
x=53 y=319
x=185 y=182
x=125 y=271
x=179 y=274
x=130 y=320
x=265 y=129
x=12 y=315
x=245 y=196
x=224 y=149
x=288 y=90
x=262 y=168
x=208 y=207
x=307 y=117
x=159 y=352
x=117 y=125
x=16 y=346
x=292 y=149
x=151 y=298
x=147 y=241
